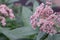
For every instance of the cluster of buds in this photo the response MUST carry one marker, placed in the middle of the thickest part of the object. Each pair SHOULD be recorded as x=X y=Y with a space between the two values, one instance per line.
x=5 y=12
x=45 y=18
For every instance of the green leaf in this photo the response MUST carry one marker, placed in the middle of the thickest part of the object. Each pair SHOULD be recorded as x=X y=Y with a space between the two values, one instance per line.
x=41 y=36
x=18 y=15
x=24 y=39
x=35 y=4
x=23 y=32
x=17 y=33
x=11 y=1
x=3 y=37
x=26 y=13
x=4 y=1
x=54 y=37
x=30 y=1
x=51 y=37
x=10 y=5
x=7 y=33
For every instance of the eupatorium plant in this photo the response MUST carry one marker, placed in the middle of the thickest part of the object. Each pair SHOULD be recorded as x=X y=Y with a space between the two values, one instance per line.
x=45 y=18
x=5 y=12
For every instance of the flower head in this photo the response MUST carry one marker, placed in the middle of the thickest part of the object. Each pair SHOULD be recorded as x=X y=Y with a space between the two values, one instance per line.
x=45 y=18
x=7 y=12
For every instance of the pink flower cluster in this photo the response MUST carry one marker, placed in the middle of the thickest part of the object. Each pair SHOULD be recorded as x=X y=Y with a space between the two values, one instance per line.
x=7 y=12
x=45 y=18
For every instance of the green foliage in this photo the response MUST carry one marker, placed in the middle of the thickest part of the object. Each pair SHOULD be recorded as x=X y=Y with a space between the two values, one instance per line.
x=54 y=37
x=18 y=32
x=20 y=28
x=26 y=13
x=23 y=32
x=41 y=36
x=35 y=4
